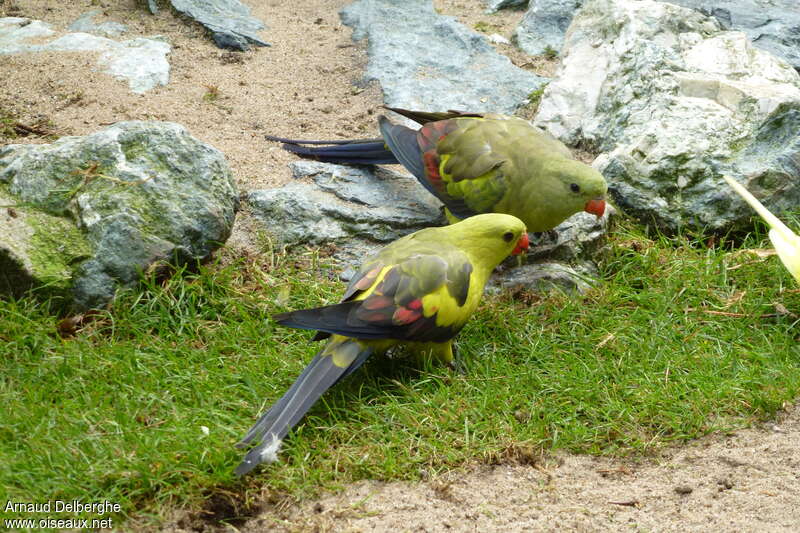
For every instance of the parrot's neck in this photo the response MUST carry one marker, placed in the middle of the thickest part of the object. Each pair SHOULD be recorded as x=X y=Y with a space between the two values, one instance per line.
x=482 y=265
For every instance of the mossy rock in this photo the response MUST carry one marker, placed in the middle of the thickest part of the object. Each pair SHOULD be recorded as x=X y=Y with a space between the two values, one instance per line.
x=88 y=214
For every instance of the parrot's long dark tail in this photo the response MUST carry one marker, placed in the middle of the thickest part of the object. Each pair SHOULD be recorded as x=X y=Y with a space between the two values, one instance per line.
x=339 y=358
x=361 y=152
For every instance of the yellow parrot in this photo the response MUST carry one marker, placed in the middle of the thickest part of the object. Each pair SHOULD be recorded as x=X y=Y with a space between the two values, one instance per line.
x=418 y=291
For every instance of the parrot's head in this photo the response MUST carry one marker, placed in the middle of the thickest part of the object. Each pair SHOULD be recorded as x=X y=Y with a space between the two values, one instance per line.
x=573 y=187
x=491 y=237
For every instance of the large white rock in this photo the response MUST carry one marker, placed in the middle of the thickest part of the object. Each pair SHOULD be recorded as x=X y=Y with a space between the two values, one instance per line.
x=673 y=102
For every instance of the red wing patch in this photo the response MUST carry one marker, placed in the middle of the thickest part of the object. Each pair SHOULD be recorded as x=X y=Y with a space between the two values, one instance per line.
x=365 y=282
x=433 y=132
x=427 y=137
x=409 y=313
x=404 y=315
x=431 y=161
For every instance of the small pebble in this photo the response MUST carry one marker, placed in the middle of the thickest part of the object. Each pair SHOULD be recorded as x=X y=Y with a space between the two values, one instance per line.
x=725 y=484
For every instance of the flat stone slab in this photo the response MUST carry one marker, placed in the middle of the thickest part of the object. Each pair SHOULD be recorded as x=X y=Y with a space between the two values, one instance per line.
x=142 y=62
x=229 y=21
x=86 y=23
x=344 y=205
x=430 y=62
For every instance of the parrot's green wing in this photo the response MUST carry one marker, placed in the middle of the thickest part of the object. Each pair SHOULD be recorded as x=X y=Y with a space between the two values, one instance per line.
x=423 y=117
x=454 y=159
x=399 y=301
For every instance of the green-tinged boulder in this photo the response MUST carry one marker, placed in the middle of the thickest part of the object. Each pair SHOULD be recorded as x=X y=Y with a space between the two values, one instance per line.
x=84 y=215
x=37 y=249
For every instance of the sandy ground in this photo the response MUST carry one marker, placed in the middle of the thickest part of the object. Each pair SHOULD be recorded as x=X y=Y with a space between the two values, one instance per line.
x=748 y=481
x=308 y=85
x=302 y=86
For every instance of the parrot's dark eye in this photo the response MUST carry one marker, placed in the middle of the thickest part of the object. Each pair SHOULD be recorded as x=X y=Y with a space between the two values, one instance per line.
x=574 y=187
x=508 y=236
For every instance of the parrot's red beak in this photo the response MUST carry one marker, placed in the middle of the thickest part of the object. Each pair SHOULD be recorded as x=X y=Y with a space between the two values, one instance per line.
x=595 y=206
x=522 y=245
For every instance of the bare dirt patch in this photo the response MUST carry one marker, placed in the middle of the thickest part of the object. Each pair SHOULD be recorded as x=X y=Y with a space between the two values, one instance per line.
x=746 y=481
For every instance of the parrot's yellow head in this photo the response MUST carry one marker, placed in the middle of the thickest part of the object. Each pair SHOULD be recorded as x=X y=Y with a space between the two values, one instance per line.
x=570 y=187
x=491 y=237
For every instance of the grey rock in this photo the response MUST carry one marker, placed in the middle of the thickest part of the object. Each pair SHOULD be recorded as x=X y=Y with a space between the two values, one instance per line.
x=230 y=41
x=492 y=6
x=772 y=25
x=672 y=101
x=545 y=276
x=544 y=25
x=94 y=212
x=427 y=61
x=229 y=21
x=580 y=237
x=351 y=207
x=37 y=250
x=141 y=62
x=14 y=31
x=152 y=6
x=561 y=259
x=85 y=23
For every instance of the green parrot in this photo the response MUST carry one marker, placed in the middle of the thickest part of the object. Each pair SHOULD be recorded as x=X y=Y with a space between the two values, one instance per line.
x=418 y=291
x=477 y=163
x=785 y=241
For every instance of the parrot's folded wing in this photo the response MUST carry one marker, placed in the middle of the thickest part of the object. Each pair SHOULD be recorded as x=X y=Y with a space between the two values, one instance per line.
x=402 y=303
x=402 y=141
x=423 y=117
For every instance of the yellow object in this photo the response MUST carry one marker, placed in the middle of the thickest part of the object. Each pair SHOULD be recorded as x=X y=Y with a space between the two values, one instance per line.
x=785 y=241
x=418 y=292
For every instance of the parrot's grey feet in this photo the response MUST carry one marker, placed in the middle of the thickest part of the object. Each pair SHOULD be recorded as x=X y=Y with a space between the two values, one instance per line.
x=456 y=365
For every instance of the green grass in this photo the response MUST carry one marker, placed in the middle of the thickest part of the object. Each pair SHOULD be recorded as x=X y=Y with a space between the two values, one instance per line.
x=116 y=411
x=535 y=98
